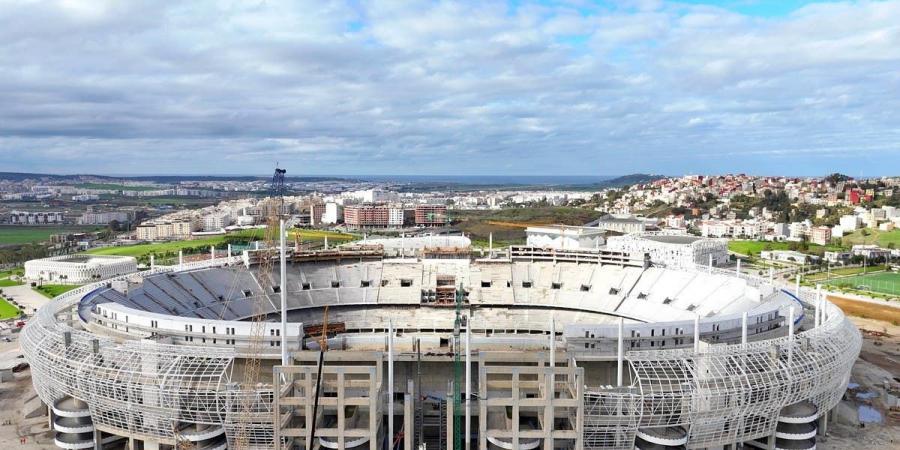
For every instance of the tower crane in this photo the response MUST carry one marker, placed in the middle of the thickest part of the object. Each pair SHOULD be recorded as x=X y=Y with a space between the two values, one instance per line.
x=275 y=209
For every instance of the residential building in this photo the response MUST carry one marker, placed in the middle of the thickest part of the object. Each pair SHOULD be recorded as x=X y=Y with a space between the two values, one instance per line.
x=431 y=215
x=334 y=213
x=820 y=235
x=102 y=218
x=850 y=222
x=35 y=218
x=216 y=221
x=373 y=216
x=316 y=211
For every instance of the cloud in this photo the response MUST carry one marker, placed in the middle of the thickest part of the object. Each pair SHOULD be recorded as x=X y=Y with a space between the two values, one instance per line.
x=446 y=87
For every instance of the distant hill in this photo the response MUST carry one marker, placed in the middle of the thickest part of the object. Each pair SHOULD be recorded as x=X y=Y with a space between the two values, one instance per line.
x=163 y=179
x=20 y=176
x=458 y=183
x=628 y=180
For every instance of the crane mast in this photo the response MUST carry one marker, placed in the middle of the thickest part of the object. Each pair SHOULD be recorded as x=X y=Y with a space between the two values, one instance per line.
x=266 y=256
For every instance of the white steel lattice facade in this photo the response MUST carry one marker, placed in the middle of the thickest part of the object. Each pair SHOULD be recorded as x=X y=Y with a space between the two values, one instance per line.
x=161 y=385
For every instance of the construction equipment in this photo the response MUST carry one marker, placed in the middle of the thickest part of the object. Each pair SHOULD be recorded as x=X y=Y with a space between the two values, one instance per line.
x=274 y=207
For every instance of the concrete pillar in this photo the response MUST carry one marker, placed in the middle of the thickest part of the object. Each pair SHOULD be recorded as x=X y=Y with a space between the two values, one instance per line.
x=180 y=258
x=516 y=408
x=790 y=336
x=797 y=286
x=468 y=398
x=490 y=245
x=229 y=251
x=549 y=388
x=326 y=242
x=482 y=403
x=450 y=414
x=552 y=344
x=390 y=343
x=818 y=302
x=152 y=261
x=408 y=431
x=212 y=252
x=744 y=329
x=737 y=270
x=620 y=353
x=697 y=334
x=771 y=274
x=709 y=268
x=283 y=282
x=341 y=417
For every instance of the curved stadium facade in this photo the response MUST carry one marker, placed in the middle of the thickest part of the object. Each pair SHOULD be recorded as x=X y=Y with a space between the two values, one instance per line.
x=581 y=349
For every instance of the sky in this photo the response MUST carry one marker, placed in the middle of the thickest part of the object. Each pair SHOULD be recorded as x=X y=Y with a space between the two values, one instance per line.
x=450 y=88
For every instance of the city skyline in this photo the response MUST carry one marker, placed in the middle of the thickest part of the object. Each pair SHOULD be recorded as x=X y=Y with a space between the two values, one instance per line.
x=543 y=88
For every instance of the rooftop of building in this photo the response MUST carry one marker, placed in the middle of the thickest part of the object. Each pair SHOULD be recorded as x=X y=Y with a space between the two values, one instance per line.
x=674 y=239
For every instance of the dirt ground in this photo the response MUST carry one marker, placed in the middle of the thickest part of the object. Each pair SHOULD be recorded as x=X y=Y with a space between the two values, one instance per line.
x=867 y=310
x=13 y=426
x=879 y=361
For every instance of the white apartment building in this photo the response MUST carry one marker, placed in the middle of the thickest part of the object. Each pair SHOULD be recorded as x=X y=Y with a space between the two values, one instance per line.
x=153 y=231
x=850 y=222
x=781 y=230
x=102 y=218
x=334 y=213
x=732 y=228
x=35 y=218
x=395 y=217
x=85 y=198
x=216 y=221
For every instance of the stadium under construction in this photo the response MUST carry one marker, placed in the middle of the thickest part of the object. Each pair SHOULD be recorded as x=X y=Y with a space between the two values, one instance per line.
x=522 y=348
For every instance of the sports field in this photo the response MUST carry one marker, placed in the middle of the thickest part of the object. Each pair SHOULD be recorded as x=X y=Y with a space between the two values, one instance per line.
x=883 y=282
x=203 y=244
x=12 y=234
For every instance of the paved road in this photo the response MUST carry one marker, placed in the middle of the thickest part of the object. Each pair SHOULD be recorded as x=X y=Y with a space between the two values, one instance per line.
x=26 y=297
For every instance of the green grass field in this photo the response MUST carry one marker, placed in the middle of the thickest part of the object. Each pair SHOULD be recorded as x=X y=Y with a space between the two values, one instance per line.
x=54 y=290
x=140 y=250
x=752 y=248
x=870 y=236
x=883 y=282
x=8 y=273
x=7 y=310
x=843 y=272
x=6 y=282
x=12 y=235
x=202 y=245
